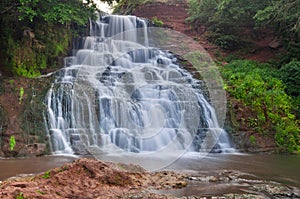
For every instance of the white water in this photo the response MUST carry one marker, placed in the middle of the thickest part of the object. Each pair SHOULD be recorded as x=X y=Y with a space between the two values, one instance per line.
x=118 y=94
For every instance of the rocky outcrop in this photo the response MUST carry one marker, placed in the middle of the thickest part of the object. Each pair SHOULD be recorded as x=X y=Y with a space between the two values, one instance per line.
x=21 y=116
x=171 y=13
x=244 y=137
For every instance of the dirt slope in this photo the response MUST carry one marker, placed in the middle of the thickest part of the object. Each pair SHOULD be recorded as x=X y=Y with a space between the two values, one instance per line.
x=174 y=13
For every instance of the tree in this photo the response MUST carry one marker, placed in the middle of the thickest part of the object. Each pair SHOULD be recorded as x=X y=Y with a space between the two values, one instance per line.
x=57 y=11
x=226 y=19
x=284 y=16
x=35 y=33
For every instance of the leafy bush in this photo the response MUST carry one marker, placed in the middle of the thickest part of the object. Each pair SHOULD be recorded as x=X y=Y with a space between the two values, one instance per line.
x=252 y=84
x=12 y=142
x=290 y=75
x=201 y=11
x=157 y=22
x=56 y=11
x=283 y=15
x=226 y=19
x=35 y=34
x=228 y=42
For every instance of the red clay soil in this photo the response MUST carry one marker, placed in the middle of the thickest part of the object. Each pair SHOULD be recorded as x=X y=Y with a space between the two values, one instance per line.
x=90 y=179
x=174 y=14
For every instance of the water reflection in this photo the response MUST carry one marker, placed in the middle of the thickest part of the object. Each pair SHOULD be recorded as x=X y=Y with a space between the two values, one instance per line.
x=280 y=168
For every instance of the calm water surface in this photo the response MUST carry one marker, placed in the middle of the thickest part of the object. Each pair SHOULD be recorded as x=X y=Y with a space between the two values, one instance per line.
x=280 y=168
x=17 y=166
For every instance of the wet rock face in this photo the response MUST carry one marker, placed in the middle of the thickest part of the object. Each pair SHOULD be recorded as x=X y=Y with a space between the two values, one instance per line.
x=172 y=14
x=36 y=149
x=3 y=126
x=241 y=185
x=22 y=116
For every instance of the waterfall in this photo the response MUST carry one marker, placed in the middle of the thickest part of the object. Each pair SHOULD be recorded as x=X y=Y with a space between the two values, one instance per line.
x=121 y=93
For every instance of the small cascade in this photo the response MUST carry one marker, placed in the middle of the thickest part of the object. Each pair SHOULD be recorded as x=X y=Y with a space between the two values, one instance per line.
x=120 y=94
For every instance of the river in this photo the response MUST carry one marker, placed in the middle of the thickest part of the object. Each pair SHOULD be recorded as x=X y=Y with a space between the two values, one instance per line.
x=279 y=168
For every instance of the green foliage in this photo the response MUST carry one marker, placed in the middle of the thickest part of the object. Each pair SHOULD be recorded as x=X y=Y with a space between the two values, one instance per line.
x=228 y=42
x=254 y=85
x=290 y=75
x=201 y=11
x=157 y=22
x=12 y=142
x=21 y=95
x=46 y=175
x=20 y=196
x=54 y=11
x=226 y=19
x=283 y=15
x=35 y=34
x=40 y=192
x=252 y=139
x=229 y=20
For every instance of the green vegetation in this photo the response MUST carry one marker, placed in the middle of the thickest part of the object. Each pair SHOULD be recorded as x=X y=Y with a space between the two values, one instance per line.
x=252 y=139
x=40 y=192
x=36 y=34
x=283 y=15
x=157 y=22
x=290 y=75
x=229 y=21
x=21 y=95
x=20 y=196
x=12 y=142
x=256 y=86
x=127 y=6
x=271 y=94
x=226 y=19
x=46 y=175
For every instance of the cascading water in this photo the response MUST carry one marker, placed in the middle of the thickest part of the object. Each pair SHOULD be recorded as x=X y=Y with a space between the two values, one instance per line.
x=120 y=94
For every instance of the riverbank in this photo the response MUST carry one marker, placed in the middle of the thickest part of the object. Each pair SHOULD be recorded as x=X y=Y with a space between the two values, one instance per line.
x=191 y=176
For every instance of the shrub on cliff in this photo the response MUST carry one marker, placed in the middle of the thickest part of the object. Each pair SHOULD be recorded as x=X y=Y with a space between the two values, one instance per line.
x=226 y=19
x=254 y=85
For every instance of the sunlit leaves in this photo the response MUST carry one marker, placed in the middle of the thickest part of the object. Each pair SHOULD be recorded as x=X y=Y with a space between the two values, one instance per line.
x=56 y=11
x=253 y=85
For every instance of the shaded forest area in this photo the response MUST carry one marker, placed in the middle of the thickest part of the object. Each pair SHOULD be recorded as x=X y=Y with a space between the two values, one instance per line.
x=35 y=35
x=263 y=97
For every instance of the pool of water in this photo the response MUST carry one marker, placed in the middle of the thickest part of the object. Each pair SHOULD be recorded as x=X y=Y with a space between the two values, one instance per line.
x=279 y=168
x=17 y=166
